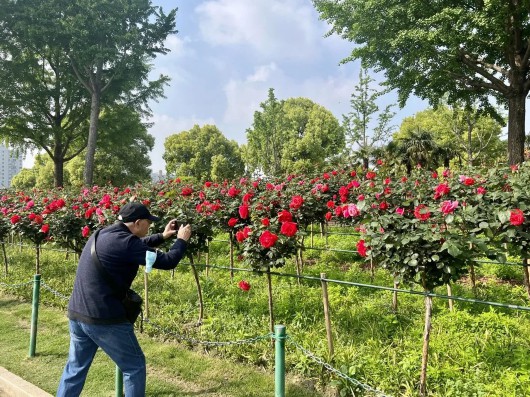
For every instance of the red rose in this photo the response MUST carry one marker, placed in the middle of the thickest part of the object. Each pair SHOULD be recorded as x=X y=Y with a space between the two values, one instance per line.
x=15 y=219
x=361 y=248
x=186 y=191
x=244 y=285
x=370 y=175
x=422 y=212
x=265 y=222
x=296 y=202
x=85 y=231
x=516 y=217
x=247 y=197
x=285 y=216
x=469 y=181
x=267 y=239
x=243 y=234
x=45 y=228
x=328 y=216
x=289 y=229
x=233 y=192
x=232 y=222
x=243 y=211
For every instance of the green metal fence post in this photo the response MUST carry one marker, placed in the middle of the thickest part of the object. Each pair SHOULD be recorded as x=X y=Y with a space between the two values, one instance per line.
x=34 y=315
x=119 y=382
x=279 y=368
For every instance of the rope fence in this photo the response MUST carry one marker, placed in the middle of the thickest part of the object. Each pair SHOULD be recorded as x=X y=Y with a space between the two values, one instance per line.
x=193 y=341
x=288 y=338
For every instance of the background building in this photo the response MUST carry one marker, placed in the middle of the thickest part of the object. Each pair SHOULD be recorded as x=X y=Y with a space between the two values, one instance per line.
x=10 y=165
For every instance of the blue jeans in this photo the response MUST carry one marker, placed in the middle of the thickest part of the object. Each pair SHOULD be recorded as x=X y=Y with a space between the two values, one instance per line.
x=120 y=344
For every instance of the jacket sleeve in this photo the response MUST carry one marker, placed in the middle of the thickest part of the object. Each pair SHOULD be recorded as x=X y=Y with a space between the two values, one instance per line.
x=153 y=240
x=170 y=260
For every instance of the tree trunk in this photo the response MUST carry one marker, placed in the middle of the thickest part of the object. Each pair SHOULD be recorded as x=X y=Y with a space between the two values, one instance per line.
x=58 y=165
x=450 y=293
x=231 y=238
x=395 y=298
x=516 y=127
x=5 y=257
x=199 y=290
x=271 y=309
x=88 y=173
x=526 y=276
x=425 y=353
x=37 y=259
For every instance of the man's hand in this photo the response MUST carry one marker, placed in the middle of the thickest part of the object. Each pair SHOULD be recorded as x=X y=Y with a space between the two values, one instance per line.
x=170 y=229
x=184 y=232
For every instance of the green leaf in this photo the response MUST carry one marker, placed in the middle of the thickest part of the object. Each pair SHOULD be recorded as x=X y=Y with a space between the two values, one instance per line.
x=453 y=250
x=504 y=216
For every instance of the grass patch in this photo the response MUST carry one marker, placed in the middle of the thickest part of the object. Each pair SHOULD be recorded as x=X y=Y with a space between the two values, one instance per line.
x=172 y=370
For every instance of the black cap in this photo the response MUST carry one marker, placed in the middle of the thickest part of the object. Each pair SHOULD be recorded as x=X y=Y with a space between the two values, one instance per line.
x=133 y=211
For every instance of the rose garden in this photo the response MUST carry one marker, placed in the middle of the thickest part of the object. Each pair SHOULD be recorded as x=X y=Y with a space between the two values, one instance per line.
x=460 y=236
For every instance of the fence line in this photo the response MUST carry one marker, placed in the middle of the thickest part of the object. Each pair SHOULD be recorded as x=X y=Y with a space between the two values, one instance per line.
x=194 y=341
x=354 y=284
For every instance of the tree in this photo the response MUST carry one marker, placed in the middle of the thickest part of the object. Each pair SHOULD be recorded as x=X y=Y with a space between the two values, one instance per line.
x=466 y=134
x=470 y=51
x=111 y=42
x=203 y=153
x=264 y=140
x=357 y=123
x=122 y=157
x=42 y=106
x=292 y=136
x=416 y=147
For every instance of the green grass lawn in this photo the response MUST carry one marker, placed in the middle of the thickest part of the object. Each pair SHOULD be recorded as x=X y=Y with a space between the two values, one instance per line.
x=171 y=369
x=475 y=350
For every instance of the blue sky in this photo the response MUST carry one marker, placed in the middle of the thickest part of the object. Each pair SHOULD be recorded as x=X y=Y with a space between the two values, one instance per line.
x=228 y=53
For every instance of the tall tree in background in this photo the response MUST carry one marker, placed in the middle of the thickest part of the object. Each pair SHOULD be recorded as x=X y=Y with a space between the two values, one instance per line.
x=471 y=51
x=292 y=136
x=202 y=153
x=111 y=43
x=122 y=157
x=313 y=136
x=462 y=133
x=42 y=106
x=263 y=152
x=362 y=135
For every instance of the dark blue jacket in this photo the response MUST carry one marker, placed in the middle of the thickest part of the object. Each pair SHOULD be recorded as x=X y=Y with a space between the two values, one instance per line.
x=121 y=253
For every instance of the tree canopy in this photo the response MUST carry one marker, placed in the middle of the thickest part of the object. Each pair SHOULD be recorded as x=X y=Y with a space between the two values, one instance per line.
x=122 y=157
x=476 y=52
x=362 y=135
x=67 y=61
x=42 y=106
x=203 y=153
x=292 y=136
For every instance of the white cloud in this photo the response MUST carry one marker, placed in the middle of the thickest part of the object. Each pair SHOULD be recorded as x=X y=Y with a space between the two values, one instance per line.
x=262 y=73
x=177 y=46
x=287 y=29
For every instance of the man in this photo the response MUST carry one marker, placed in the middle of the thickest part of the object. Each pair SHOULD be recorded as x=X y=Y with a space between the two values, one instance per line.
x=96 y=313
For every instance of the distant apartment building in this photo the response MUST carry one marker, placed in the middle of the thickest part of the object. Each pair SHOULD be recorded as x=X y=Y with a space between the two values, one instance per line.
x=10 y=165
